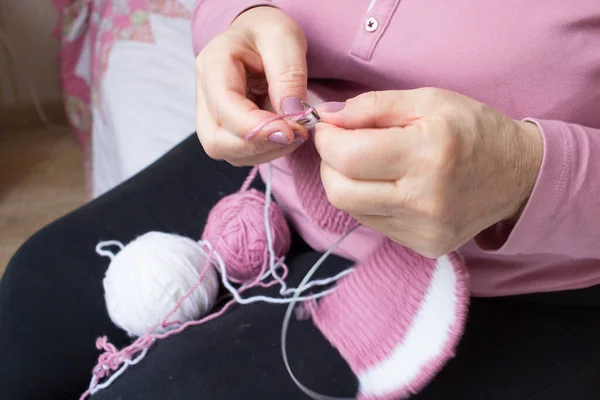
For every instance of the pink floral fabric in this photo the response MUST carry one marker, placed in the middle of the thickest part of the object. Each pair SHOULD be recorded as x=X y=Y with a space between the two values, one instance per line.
x=102 y=23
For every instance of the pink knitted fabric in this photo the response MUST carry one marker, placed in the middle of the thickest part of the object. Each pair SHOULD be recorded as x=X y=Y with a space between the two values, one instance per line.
x=398 y=317
x=305 y=164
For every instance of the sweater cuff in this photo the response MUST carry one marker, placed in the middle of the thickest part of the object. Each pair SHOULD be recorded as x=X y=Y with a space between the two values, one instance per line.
x=212 y=17
x=537 y=220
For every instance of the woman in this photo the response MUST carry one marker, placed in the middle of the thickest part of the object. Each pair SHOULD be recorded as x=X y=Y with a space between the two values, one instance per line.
x=448 y=125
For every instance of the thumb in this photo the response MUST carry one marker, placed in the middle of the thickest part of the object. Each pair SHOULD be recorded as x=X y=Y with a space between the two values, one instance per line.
x=284 y=62
x=383 y=109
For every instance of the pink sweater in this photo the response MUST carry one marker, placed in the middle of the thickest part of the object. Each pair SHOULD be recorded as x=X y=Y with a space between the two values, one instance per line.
x=538 y=60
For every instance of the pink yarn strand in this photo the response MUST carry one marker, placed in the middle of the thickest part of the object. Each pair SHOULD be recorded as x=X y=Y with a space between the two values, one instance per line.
x=186 y=295
x=249 y=179
x=293 y=117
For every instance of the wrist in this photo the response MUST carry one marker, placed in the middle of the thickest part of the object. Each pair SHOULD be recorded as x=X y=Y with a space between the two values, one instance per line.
x=529 y=151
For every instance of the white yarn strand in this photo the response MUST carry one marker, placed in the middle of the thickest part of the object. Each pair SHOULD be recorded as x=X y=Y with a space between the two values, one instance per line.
x=220 y=264
x=268 y=190
x=285 y=291
x=288 y=315
x=100 y=248
x=319 y=282
x=126 y=364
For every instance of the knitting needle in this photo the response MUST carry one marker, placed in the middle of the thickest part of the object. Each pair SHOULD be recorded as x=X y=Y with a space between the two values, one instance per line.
x=311 y=119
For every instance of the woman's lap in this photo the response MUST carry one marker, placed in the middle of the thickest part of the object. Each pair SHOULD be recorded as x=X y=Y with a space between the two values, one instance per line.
x=52 y=309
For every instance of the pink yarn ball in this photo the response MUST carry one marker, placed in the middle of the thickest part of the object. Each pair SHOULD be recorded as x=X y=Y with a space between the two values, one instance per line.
x=236 y=229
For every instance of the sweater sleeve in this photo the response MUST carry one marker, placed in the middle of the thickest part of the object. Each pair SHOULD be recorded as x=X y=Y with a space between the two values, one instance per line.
x=562 y=216
x=212 y=17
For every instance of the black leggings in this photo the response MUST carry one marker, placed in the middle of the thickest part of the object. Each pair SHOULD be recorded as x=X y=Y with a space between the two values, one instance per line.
x=536 y=347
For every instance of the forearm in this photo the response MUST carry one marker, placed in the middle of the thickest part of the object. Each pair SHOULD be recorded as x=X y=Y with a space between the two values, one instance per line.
x=562 y=215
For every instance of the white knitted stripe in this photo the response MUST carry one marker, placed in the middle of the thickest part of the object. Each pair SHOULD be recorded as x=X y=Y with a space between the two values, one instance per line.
x=424 y=341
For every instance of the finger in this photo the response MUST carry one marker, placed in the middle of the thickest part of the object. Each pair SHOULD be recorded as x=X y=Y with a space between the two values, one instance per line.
x=205 y=128
x=360 y=197
x=225 y=90
x=284 y=59
x=222 y=145
x=366 y=154
x=263 y=157
x=219 y=143
x=216 y=142
x=382 y=109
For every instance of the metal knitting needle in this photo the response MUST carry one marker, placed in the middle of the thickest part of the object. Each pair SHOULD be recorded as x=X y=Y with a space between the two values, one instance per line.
x=314 y=112
x=311 y=119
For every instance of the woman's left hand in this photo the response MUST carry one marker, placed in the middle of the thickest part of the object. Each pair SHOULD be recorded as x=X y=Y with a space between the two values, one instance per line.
x=428 y=168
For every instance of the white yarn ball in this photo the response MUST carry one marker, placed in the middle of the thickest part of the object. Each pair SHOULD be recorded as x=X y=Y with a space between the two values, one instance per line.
x=149 y=276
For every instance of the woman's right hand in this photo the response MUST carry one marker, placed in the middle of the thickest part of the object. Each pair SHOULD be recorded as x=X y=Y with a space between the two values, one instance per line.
x=262 y=56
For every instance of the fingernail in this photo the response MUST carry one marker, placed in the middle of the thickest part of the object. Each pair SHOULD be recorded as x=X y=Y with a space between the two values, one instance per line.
x=279 y=138
x=333 y=106
x=292 y=105
x=298 y=138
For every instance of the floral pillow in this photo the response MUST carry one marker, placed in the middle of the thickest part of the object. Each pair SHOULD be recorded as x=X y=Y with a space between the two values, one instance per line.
x=88 y=30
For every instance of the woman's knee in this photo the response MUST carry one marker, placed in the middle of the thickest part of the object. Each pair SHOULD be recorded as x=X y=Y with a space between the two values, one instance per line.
x=34 y=258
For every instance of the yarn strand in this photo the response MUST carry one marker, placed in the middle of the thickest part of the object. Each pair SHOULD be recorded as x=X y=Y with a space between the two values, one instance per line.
x=126 y=364
x=100 y=248
x=288 y=315
x=293 y=117
x=260 y=298
x=186 y=295
x=318 y=282
x=268 y=190
x=249 y=179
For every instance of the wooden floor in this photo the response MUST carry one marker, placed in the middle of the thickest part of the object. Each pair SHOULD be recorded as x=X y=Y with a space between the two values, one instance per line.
x=40 y=179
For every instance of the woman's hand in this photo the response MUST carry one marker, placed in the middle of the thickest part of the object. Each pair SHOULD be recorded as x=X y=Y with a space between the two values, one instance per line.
x=428 y=168
x=262 y=53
